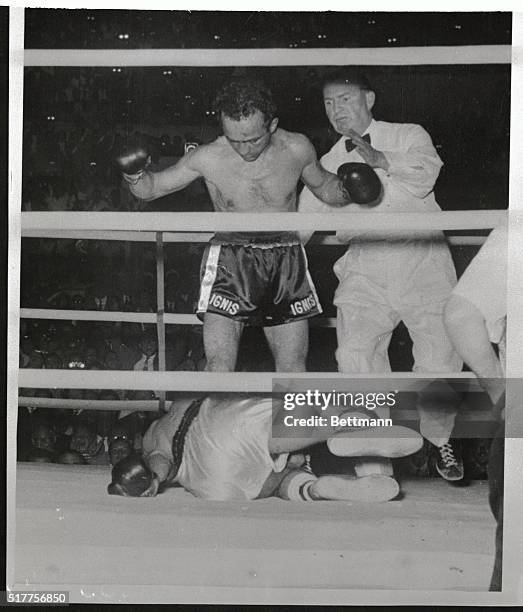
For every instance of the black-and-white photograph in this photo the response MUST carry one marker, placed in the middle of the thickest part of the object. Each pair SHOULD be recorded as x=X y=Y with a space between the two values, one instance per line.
x=363 y=159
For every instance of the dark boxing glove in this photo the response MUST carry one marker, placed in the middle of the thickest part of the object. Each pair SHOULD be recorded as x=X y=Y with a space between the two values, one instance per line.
x=361 y=183
x=133 y=159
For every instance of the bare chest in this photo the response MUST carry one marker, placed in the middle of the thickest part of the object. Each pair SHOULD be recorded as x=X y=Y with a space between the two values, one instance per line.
x=263 y=188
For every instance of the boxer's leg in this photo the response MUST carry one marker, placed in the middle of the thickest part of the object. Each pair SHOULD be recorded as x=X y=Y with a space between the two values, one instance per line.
x=373 y=488
x=289 y=344
x=300 y=485
x=221 y=339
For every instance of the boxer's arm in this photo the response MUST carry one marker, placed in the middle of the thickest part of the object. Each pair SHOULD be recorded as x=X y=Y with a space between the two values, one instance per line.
x=160 y=465
x=309 y=203
x=323 y=184
x=152 y=185
x=156 y=446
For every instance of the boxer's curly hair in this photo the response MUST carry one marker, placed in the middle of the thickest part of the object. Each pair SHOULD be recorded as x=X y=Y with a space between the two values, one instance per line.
x=242 y=96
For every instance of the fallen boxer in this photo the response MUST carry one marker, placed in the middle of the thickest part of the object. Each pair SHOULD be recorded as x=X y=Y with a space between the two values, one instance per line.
x=237 y=449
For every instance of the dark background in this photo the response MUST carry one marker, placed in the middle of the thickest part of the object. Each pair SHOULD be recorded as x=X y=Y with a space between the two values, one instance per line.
x=107 y=29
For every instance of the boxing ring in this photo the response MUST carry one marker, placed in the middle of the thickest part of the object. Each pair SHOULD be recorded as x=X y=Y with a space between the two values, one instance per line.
x=254 y=546
x=71 y=535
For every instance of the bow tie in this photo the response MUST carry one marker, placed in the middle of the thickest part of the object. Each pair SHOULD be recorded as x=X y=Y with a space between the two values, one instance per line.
x=350 y=146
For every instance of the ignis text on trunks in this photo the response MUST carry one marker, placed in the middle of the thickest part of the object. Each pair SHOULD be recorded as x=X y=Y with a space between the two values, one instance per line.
x=223 y=303
x=302 y=306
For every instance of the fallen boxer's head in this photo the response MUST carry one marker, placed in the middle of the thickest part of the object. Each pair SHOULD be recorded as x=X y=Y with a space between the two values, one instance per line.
x=131 y=477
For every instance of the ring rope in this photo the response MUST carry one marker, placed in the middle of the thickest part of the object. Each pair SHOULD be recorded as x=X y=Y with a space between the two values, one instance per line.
x=107 y=315
x=220 y=382
x=265 y=222
x=88 y=404
x=373 y=56
x=172 y=237
x=170 y=318
x=400 y=414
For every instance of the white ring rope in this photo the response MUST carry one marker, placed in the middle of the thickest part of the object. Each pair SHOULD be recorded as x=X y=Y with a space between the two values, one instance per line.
x=194 y=237
x=400 y=414
x=88 y=404
x=373 y=56
x=265 y=222
x=220 y=382
x=170 y=318
x=107 y=315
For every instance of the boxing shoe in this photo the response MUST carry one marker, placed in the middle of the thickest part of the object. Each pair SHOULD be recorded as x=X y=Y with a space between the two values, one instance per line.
x=394 y=441
x=375 y=488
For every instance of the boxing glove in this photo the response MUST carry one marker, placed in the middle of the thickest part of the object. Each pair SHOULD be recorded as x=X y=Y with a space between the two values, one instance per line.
x=361 y=183
x=133 y=159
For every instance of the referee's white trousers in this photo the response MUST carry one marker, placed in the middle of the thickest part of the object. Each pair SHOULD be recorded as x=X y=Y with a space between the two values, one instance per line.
x=382 y=285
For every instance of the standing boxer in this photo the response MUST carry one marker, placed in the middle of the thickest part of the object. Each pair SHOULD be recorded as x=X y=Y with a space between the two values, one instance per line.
x=238 y=449
x=251 y=278
x=390 y=276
